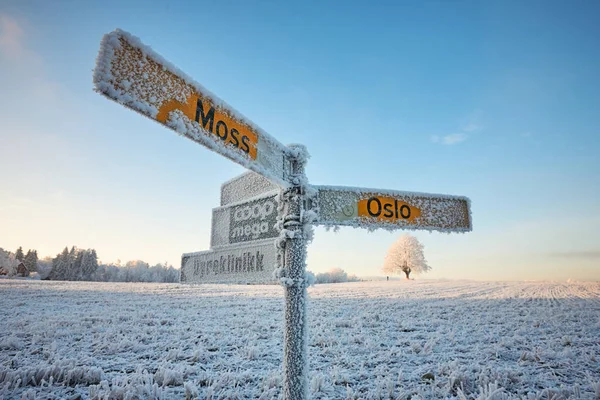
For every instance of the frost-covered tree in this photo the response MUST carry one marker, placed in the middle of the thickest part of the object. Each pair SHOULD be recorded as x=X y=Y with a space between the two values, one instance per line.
x=335 y=275
x=78 y=264
x=60 y=266
x=44 y=266
x=89 y=264
x=136 y=271
x=74 y=265
x=405 y=255
x=30 y=260
x=8 y=262
x=19 y=254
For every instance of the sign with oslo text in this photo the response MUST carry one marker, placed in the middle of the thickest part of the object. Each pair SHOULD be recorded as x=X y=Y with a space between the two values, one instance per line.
x=373 y=208
x=385 y=208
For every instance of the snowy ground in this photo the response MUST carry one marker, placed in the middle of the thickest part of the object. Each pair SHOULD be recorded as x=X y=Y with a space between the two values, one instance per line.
x=373 y=340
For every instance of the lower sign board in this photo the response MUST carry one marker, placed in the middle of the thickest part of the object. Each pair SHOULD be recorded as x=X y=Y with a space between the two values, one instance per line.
x=241 y=264
x=132 y=74
x=246 y=221
x=376 y=208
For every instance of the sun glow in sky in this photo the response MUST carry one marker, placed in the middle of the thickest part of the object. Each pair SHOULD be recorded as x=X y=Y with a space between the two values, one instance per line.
x=497 y=101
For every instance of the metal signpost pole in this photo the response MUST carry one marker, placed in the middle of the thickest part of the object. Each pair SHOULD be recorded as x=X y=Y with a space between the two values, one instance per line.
x=295 y=330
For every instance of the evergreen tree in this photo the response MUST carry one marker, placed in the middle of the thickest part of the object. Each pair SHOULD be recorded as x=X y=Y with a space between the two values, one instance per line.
x=19 y=254
x=92 y=263
x=89 y=264
x=60 y=266
x=30 y=260
x=34 y=258
x=71 y=272
x=77 y=267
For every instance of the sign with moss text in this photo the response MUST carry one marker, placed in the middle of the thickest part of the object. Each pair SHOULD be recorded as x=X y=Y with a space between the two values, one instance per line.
x=132 y=74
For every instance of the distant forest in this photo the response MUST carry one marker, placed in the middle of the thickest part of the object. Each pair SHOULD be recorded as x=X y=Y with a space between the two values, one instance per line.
x=76 y=264
x=82 y=265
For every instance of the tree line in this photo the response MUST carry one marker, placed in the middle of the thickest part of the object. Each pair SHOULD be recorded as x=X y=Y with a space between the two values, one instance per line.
x=335 y=275
x=9 y=262
x=76 y=264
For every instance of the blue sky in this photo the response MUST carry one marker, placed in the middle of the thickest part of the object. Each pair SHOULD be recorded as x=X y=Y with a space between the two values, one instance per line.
x=497 y=101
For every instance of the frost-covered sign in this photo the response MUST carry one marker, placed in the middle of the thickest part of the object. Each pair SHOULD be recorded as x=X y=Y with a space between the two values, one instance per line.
x=377 y=208
x=132 y=74
x=244 y=187
x=253 y=220
x=246 y=221
x=252 y=263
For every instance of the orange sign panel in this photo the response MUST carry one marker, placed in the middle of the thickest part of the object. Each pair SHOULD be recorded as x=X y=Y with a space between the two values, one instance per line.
x=213 y=120
x=389 y=209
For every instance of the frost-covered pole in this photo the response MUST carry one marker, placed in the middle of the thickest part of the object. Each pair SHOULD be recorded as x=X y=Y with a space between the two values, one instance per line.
x=295 y=334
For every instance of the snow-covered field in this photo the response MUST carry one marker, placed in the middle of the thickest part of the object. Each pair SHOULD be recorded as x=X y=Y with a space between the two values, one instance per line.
x=372 y=340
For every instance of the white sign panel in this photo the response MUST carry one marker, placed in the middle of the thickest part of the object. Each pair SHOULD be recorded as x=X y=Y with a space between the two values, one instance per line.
x=246 y=221
x=241 y=264
x=244 y=187
x=132 y=74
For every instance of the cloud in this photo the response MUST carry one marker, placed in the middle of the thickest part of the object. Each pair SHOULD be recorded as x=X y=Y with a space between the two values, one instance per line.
x=10 y=36
x=472 y=127
x=25 y=70
x=451 y=139
x=472 y=122
x=12 y=46
x=454 y=138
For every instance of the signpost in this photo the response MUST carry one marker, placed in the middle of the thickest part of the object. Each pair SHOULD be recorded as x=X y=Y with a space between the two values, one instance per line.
x=246 y=226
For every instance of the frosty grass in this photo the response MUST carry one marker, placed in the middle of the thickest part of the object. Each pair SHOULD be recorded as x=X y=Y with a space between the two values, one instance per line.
x=372 y=340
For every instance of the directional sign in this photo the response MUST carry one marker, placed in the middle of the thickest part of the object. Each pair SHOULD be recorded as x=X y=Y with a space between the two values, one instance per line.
x=132 y=74
x=244 y=187
x=253 y=263
x=375 y=208
x=246 y=221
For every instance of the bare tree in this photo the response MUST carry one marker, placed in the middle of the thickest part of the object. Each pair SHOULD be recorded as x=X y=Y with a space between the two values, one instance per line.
x=405 y=255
